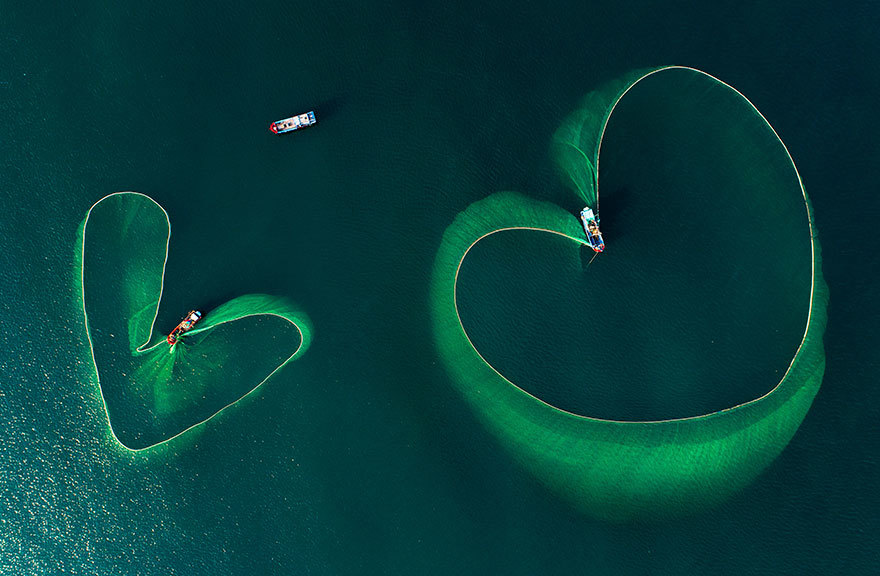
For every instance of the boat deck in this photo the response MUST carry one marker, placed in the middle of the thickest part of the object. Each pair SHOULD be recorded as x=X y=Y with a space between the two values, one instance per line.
x=294 y=123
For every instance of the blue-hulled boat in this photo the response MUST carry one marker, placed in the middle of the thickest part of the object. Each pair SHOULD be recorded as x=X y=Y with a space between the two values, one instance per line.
x=591 y=229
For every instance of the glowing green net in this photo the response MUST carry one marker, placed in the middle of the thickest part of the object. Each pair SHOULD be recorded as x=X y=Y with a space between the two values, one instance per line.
x=625 y=469
x=576 y=143
x=152 y=391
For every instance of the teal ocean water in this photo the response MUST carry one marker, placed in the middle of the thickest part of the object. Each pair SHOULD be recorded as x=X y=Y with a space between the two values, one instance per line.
x=360 y=457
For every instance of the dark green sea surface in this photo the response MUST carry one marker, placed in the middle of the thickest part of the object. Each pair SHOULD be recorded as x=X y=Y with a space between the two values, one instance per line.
x=360 y=458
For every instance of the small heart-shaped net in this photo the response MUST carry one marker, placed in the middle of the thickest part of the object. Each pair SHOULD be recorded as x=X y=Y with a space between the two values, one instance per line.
x=153 y=391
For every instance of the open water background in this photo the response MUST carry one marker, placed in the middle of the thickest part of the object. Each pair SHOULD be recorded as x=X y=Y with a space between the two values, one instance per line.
x=359 y=458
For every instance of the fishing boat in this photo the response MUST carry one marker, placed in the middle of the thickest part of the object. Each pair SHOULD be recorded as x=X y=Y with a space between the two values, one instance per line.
x=591 y=229
x=293 y=123
x=185 y=326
